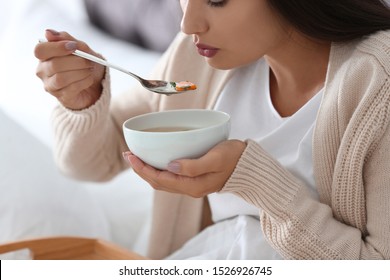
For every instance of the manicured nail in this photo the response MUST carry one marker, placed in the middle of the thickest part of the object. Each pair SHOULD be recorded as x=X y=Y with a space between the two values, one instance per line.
x=174 y=167
x=125 y=156
x=71 y=46
x=53 y=32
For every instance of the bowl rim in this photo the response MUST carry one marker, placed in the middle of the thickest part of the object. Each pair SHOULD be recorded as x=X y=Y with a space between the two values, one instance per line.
x=125 y=128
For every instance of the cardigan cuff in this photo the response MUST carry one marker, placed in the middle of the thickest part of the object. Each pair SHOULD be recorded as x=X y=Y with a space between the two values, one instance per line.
x=84 y=120
x=262 y=181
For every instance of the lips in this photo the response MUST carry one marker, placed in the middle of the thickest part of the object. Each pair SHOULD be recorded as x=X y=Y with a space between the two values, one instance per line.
x=206 y=51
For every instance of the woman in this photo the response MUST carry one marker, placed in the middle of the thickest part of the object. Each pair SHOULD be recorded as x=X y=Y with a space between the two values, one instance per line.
x=307 y=85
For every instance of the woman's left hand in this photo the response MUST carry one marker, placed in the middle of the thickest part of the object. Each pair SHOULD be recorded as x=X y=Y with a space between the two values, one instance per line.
x=193 y=177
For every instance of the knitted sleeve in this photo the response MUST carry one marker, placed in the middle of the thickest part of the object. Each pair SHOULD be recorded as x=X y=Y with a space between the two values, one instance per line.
x=82 y=149
x=290 y=218
x=296 y=225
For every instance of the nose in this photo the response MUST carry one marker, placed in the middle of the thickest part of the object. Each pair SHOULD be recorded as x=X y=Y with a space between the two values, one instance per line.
x=193 y=20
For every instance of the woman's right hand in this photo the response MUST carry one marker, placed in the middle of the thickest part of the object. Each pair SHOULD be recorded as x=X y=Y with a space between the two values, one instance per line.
x=74 y=81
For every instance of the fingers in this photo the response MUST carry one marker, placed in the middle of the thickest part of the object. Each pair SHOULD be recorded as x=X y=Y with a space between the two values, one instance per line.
x=61 y=65
x=146 y=172
x=70 y=43
x=54 y=35
x=194 y=177
x=74 y=81
x=59 y=44
x=61 y=81
x=169 y=182
x=60 y=73
x=68 y=86
x=222 y=157
x=159 y=180
x=195 y=167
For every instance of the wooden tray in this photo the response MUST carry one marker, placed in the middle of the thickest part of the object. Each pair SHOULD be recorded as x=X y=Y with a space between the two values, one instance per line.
x=70 y=248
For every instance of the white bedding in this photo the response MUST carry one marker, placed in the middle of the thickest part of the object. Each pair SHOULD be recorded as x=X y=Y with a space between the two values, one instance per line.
x=35 y=199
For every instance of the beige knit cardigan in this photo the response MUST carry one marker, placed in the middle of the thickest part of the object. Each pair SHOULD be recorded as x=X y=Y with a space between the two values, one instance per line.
x=351 y=150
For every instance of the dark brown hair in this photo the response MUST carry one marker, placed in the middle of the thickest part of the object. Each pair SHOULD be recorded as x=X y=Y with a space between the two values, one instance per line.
x=335 y=20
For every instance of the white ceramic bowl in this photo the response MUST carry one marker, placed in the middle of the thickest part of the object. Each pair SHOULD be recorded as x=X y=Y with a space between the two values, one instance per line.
x=206 y=128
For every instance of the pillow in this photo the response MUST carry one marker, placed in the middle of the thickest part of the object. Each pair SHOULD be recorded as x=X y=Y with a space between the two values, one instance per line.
x=36 y=200
x=151 y=24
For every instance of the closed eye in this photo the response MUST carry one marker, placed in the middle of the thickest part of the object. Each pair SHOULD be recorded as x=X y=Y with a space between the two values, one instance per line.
x=217 y=3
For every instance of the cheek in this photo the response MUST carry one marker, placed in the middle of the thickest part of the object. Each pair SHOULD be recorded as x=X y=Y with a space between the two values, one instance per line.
x=243 y=49
x=248 y=36
x=244 y=41
x=256 y=40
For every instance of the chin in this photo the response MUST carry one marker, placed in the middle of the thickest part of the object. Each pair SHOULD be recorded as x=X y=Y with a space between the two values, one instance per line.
x=225 y=64
x=221 y=65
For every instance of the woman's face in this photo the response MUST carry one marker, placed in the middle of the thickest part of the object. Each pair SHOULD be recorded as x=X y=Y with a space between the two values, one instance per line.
x=232 y=33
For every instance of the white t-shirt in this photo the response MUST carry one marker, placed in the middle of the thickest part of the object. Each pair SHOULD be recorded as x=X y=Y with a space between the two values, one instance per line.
x=289 y=140
x=236 y=233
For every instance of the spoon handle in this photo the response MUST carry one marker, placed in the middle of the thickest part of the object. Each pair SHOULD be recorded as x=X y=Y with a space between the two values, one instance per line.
x=103 y=62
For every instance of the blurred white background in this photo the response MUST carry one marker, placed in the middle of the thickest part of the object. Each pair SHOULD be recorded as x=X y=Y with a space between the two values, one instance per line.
x=35 y=199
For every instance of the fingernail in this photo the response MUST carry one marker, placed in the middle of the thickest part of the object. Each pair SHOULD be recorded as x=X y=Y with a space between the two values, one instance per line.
x=71 y=46
x=53 y=32
x=125 y=156
x=174 y=167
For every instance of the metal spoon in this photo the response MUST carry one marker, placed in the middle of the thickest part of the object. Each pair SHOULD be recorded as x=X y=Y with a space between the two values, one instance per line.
x=158 y=86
